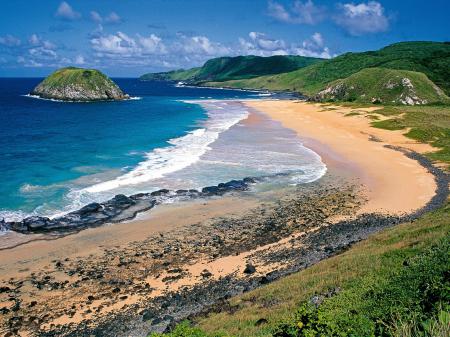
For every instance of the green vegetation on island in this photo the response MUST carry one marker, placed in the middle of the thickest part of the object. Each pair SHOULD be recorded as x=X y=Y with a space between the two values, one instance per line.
x=78 y=84
x=239 y=67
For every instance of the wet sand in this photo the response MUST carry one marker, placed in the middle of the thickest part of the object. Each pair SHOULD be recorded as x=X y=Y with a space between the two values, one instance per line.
x=395 y=184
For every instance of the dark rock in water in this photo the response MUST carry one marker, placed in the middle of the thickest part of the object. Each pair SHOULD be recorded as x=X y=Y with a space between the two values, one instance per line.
x=249 y=269
x=36 y=222
x=121 y=200
x=90 y=208
x=160 y=192
x=249 y=180
x=117 y=209
x=211 y=190
x=140 y=196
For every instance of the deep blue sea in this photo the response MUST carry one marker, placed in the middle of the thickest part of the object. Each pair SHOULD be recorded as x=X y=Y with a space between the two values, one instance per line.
x=58 y=156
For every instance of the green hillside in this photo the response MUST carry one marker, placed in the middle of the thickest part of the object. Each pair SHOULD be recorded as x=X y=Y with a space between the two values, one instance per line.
x=73 y=83
x=430 y=58
x=381 y=85
x=240 y=67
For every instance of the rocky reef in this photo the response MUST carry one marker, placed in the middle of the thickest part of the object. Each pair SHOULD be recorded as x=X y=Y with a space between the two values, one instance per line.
x=78 y=84
x=117 y=209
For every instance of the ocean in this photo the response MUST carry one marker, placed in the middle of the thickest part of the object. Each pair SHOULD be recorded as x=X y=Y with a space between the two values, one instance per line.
x=57 y=157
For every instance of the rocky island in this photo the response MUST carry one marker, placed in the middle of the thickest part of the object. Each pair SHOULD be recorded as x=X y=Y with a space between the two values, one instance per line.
x=78 y=84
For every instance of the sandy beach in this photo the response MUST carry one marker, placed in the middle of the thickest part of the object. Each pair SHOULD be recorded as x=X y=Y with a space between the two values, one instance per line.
x=81 y=280
x=395 y=184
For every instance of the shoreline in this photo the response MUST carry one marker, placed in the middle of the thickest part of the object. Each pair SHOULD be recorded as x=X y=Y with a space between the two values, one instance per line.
x=185 y=259
x=395 y=183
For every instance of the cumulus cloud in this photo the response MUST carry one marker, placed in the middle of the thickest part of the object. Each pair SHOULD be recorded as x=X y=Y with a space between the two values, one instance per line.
x=10 y=41
x=111 y=18
x=96 y=17
x=66 y=12
x=177 y=51
x=298 y=13
x=313 y=47
x=199 y=45
x=261 y=45
x=363 y=18
x=127 y=46
x=79 y=59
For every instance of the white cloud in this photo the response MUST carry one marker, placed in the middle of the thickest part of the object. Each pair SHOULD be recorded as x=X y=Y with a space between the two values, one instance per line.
x=363 y=18
x=10 y=41
x=199 y=45
x=66 y=12
x=126 y=46
x=34 y=40
x=261 y=45
x=113 y=17
x=79 y=60
x=152 y=44
x=96 y=17
x=278 y=12
x=299 y=12
x=313 y=47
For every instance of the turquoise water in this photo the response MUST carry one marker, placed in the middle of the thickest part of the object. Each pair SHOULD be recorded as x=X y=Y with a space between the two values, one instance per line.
x=47 y=148
x=57 y=157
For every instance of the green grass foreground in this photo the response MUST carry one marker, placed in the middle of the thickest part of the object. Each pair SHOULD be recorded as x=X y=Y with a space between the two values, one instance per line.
x=395 y=283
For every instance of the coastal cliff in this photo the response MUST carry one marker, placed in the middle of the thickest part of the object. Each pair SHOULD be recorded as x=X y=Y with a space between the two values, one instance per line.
x=78 y=84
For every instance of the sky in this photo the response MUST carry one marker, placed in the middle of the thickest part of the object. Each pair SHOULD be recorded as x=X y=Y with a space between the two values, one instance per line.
x=126 y=38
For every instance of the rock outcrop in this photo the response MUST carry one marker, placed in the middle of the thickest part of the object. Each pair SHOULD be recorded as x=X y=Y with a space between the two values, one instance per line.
x=383 y=86
x=77 y=84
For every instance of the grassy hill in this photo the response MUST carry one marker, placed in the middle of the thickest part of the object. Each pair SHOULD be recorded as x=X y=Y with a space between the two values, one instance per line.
x=240 y=67
x=381 y=85
x=430 y=58
x=73 y=83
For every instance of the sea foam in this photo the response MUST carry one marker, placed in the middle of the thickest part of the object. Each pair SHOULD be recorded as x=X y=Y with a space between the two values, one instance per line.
x=181 y=152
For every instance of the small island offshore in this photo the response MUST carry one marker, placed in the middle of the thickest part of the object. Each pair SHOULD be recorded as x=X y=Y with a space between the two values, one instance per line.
x=78 y=84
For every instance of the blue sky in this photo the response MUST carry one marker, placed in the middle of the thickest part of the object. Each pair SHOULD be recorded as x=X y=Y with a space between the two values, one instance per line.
x=127 y=38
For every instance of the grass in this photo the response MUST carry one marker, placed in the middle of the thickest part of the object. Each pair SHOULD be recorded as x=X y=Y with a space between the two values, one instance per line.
x=426 y=124
x=239 y=67
x=429 y=58
x=89 y=79
x=377 y=277
x=384 y=85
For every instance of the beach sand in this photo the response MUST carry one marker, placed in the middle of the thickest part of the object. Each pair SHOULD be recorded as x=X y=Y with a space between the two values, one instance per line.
x=395 y=184
x=392 y=184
